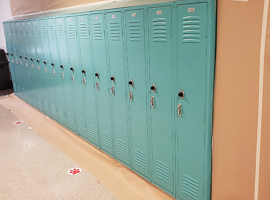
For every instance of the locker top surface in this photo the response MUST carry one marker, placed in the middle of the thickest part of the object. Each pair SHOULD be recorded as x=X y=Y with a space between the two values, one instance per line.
x=99 y=6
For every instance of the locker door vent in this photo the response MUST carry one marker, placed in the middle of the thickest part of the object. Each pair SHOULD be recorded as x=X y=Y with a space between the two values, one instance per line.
x=23 y=29
x=19 y=30
x=97 y=31
x=70 y=119
x=140 y=158
x=114 y=31
x=190 y=187
x=122 y=148
x=81 y=125
x=135 y=31
x=36 y=31
x=71 y=31
x=162 y=171
x=61 y=114
x=29 y=30
x=106 y=139
x=46 y=105
x=83 y=31
x=51 y=32
x=39 y=102
x=93 y=131
x=43 y=31
x=159 y=30
x=53 y=109
x=60 y=31
x=191 y=29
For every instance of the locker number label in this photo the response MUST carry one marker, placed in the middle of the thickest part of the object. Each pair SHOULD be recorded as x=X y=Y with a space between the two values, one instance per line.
x=133 y=14
x=113 y=16
x=191 y=10
x=82 y=19
x=96 y=17
x=159 y=12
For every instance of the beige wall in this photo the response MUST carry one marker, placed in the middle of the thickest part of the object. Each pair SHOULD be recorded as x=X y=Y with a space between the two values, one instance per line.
x=239 y=28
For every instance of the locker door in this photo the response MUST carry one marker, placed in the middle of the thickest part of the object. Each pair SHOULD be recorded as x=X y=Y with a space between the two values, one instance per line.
x=45 y=66
x=88 y=85
x=119 y=84
x=101 y=82
x=66 y=74
x=191 y=79
x=56 y=78
x=160 y=49
x=136 y=63
x=78 y=75
x=40 y=79
x=31 y=64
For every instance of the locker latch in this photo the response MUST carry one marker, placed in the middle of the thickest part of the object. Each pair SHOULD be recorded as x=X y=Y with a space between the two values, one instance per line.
x=26 y=64
x=53 y=72
x=153 y=87
x=152 y=102
x=38 y=68
x=130 y=95
x=112 y=90
x=181 y=94
x=21 y=63
x=83 y=81
x=179 y=109
x=72 y=78
x=97 y=86
x=62 y=75
x=45 y=69
x=32 y=65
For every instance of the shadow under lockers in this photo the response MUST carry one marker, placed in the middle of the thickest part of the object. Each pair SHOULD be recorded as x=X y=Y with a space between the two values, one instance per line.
x=136 y=82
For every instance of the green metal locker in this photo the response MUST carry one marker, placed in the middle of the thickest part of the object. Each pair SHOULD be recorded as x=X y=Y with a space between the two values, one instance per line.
x=102 y=80
x=88 y=74
x=137 y=90
x=74 y=57
x=66 y=73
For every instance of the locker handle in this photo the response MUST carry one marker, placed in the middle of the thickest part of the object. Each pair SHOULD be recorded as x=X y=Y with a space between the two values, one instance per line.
x=131 y=82
x=72 y=69
x=153 y=87
x=112 y=90
x=130 y=96
x=152 y=102
x=179 y=109
x=83 y=71
x=11 y=54
x=38 y=60
x=113 y=78
x=97 y=75
x=61 y=66
x=181 y=94
x=25 y=58
x=52 y=64
x=45 y=62
x=97 y=86
x=31 y=59
x=20 y=56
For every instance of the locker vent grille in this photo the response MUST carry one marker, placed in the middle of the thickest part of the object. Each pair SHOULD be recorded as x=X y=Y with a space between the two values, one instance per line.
x=60 y=29
x=46 y=105
x=159 y=30
x=51 y=32
x=191 y=29
x=134 y=31
x=36 y=30
x=140 y=158
x=190 y=187
x=61 y=114
x=43 y=31
x=18 y=31
x=81 y=125
x=53 y=109
x=70 y=119
x=122 y=148
x=162 y=171
x=39 y=102
x=97 y=31
x=29 y=30
x=114 y=31
x=106 y=139
x=83 y=31
x=71 y=31
x=93 y=131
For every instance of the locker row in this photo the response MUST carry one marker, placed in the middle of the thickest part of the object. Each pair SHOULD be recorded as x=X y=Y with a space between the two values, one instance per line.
x=131 y=81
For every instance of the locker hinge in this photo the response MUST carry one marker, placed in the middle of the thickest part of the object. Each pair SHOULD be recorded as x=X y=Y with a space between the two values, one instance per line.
x=206 y=32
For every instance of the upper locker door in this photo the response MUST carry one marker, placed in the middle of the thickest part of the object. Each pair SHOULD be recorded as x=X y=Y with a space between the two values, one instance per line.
x=66 y=73
x=102 y=76
x=190 y=95
x=74 y=56
x=160 y=50
x=88 y=74
x=137 y=88
x=118 y=85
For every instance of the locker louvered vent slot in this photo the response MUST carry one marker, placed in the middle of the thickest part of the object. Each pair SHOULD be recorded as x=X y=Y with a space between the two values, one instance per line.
x=70 y=119
x=83 y=31
x=93 y=131
x=60 y=30
x=18 y=31
x=36 y=30
x=51 y=32
x=191 y=29
x=106 y=139
x=135 y=31
x=159 y=30
x=46 y=105
x=29 y=30
x=81 y=125
x=53 y=109
x=61 y=114
x=97 y=31
x=71 y=31
x=162 y=171
x=43 y=31
x=39 y=102
x=140 y=158
x=114 y=31
x=190 y=187
x=122 y=148
x=23 y=29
